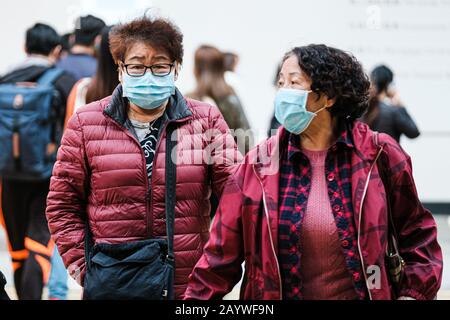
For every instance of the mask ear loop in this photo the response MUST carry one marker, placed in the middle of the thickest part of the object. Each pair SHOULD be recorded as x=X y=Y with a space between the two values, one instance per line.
x=321 y=109
x=312 y=118
x=309 y=123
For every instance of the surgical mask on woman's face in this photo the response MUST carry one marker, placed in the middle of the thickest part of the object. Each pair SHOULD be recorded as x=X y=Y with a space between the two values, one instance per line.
x=148 y=91
x=290 y=110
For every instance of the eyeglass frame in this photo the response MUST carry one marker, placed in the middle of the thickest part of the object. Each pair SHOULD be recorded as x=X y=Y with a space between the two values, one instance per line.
x=171 y=65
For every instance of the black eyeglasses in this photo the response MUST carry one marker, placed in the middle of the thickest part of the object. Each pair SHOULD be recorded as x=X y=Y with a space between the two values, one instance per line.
x=159 y=70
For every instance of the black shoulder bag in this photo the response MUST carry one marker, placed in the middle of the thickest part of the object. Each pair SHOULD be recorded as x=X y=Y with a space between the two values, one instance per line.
x=394 y=262
x=141 y=270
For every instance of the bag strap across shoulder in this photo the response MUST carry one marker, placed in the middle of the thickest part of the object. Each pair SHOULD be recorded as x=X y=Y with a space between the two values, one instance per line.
x=50 y=76
x=393 y=247
x=382 y=171
x=170 y=200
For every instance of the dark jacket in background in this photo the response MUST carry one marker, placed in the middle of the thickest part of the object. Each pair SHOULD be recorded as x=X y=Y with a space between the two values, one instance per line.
x=234 y=115
x=233 y=112
x=394 y=121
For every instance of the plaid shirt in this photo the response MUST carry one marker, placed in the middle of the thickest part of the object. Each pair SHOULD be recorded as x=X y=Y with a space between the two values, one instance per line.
x=295 y=185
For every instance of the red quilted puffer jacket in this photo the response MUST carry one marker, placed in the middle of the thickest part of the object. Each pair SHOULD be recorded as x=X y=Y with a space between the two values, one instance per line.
x=101 y=173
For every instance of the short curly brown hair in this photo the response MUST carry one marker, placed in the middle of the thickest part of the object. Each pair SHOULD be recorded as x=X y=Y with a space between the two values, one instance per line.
x=337 y=74
x=158 y=33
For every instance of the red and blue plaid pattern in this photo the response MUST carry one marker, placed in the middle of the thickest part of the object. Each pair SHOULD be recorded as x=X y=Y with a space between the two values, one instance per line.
x=295 y=185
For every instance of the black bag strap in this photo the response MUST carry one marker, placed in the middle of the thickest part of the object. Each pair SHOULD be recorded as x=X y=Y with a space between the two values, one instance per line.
x=382 y=171
x=50 y=76
x=170 y=201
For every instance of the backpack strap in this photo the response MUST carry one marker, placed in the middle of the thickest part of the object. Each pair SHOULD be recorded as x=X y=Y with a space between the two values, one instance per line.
x=50 y=76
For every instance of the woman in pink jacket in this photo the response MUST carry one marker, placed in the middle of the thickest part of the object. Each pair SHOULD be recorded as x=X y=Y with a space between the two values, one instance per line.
x=110 y=172
x=319 y=210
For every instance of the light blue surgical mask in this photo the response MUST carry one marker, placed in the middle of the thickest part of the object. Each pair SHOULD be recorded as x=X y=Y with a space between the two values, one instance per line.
x=291 y=112
x=148 y=91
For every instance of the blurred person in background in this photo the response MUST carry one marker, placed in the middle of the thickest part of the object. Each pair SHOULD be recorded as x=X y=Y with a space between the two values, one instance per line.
x=386 y=111
x=118 y=147
x=23 y=201
x=209 y=71
x=66 y=43
x=81 y=62
x=102 y=85
x=231 y=61
x=314 y=210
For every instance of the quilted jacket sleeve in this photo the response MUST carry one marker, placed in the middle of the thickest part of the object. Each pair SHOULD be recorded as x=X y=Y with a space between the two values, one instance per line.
x=66 y=202
x=223 y=151
x=219 y=269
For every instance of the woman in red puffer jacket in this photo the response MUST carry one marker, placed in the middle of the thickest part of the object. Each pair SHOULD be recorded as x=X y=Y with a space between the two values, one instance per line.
x=111 y=164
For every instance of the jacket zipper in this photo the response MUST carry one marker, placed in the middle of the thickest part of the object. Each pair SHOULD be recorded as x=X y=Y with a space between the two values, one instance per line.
x=366 y=186
x=270 y=233
x=147 y=186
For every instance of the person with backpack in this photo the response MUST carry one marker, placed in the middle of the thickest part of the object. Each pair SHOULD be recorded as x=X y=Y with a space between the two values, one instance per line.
x=33 y=97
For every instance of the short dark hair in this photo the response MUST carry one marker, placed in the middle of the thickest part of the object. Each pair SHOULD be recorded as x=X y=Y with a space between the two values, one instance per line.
x=66 y=41
x=338 y=75
x=41 y=39
x=87 y=29
x=381 y=77
x=158 y=33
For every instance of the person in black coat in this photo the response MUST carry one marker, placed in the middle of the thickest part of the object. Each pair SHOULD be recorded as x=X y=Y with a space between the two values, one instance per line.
x=386 y=112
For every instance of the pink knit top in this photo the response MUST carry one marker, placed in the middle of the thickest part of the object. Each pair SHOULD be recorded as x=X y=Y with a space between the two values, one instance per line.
x=324 y=271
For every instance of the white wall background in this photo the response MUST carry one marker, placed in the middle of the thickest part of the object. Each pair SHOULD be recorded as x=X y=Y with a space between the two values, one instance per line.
x=411 y=36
